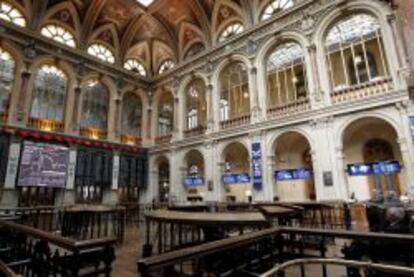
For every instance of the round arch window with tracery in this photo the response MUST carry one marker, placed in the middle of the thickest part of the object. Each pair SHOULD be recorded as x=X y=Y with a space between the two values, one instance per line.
x=234 y=91
x=286 y=75
x=11 y=14
x=101 y=52
x=49 y=93
x=275 y=7
x=7 y=71
x=59 y=34
x=196 y=106
x=231 y=30
x=355 y=53
x=135 y=66
x=95 y=105
x=166 y=66
x=131 y=115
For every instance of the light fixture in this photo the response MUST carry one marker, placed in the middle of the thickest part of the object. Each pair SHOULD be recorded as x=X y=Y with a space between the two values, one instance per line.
x=295 y=80
x=246 y=94
x=145 y=3
x=358 y=60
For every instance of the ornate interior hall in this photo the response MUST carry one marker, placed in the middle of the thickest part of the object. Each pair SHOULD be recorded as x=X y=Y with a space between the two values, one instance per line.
x=206 y=138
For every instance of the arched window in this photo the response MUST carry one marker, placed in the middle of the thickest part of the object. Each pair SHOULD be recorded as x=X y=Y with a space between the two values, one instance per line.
x=7 y=70
x=59 y=34
x=165 y=66
x=49 y=93
x=196 y=104
x=231 y=30
x=165 y=114
x=286 y=77
x=11 y=14
x=131 y=115
x=276 y=6
x=95 y=101
x=234 y=88
x=135 y=66
x=101 y=52
x=355 y=52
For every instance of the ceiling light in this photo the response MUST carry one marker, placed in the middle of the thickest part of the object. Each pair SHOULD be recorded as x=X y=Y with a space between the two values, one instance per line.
x=145 y=3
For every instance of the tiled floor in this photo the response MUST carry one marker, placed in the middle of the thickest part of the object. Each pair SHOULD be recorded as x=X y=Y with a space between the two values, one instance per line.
x=128 y=253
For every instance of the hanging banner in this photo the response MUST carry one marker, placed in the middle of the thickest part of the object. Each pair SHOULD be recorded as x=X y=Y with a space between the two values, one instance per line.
x=257 y=165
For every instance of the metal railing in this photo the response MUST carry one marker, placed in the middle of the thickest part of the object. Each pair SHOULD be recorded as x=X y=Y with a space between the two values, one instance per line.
x=280 y=270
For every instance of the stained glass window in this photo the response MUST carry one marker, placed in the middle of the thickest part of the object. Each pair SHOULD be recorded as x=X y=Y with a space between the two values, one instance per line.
x=275 y=7
x=131 y=115
x=10 y=13
x=7 y=71
x=58 y=34
x=165 y=66
x=101 y=52
x=230 y=31
x=49 y=94
x=95 y=105
x=136 y=66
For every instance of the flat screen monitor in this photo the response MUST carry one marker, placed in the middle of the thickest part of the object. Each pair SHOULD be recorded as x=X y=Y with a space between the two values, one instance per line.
x=193 y=181
x=43 y=165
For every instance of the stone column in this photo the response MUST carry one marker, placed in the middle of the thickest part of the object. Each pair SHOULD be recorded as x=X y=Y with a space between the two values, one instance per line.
x=398 y=42
x=10 y=197
x=407 y=166
x=177 y=130
x=210 y=109
x=255 y=108
x=69 y=196
x=315 y=96
x=270 y=181
x=110 y=195
x=341 y=174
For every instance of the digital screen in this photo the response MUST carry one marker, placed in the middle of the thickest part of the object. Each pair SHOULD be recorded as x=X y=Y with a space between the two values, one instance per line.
x=293 y=174
x=378 y=168
x=229 y=179
x=192 y=182
x=43 y=165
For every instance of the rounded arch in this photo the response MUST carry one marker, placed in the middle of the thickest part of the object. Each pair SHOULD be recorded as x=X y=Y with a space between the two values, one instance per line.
x=225 y=62
x=196 y=154
x=216 y=12
x=380 y=116
x=75 y=30
x=188 y=80
x=61 y=64
x=105 y=80
x=273 y=141
x=15 y=52
x=94 y=38
x=379 y=11
x=224 y=25
x=226 y=145
x=267 y=47
x=187 y=49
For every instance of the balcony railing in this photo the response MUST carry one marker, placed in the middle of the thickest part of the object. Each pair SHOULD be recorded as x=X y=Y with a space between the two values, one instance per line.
x=131 y=140
x=298 y=106
x=163 y=139
x=199 y=130
x=46 y=124
x=234 y=122
x=361 y=91
x=93 y=133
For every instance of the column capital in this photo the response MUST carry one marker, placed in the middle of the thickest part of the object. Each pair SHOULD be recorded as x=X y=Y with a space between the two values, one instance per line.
x=253 y=70
x=391 y=18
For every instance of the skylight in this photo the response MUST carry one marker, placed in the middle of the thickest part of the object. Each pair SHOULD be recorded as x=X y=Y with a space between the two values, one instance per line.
x=285 y=55
x=145 y=3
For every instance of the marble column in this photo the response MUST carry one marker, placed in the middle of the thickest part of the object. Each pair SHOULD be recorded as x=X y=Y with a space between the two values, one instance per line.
x=9 y=197
x=255 y=108
x=314 y=88
x=210 y=109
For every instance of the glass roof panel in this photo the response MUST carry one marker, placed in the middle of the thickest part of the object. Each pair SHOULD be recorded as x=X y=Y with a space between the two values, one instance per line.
x=352 y=28
x=285 y=55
